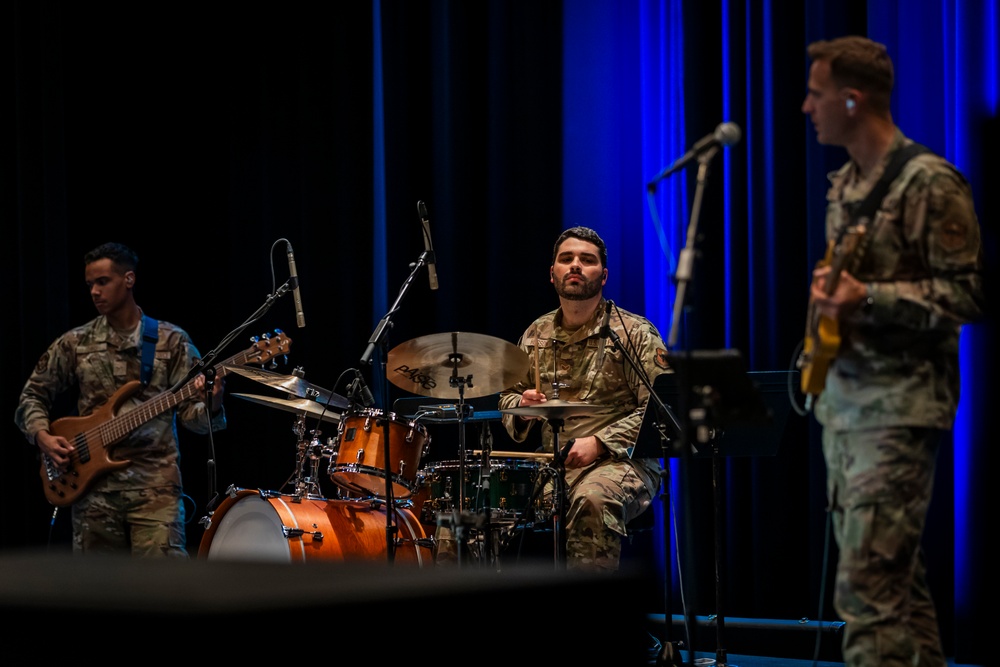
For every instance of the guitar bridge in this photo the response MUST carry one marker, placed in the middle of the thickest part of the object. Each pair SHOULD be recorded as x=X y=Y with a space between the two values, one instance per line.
x=50 y=468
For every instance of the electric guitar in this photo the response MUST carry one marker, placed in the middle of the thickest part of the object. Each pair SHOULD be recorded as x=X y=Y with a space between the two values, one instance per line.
x=822 y=339
x=95 y=435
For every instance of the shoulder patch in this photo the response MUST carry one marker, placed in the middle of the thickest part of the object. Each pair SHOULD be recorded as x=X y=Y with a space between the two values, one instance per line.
x=43 y=363
x=661 y=358
x=953 y=235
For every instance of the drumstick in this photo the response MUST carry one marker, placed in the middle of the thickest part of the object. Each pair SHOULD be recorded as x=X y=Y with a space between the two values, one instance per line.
x=538 y=380
x=515 y=455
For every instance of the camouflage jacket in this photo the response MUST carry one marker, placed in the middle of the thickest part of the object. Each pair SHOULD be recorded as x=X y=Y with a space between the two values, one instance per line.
x=590 y=369
x=94 y=361
x=922 y=260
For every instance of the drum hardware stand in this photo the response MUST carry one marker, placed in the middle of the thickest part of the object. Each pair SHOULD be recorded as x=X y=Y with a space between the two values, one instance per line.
x=558 y=466
x=558 y=471
x=206 y=521
x=460 y=383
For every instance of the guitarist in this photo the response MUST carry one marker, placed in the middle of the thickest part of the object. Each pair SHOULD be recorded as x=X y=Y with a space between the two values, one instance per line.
x=891 y=393
x=138 y=508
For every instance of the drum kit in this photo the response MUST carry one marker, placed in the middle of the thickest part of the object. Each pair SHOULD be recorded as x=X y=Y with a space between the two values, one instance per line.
x=481 y=500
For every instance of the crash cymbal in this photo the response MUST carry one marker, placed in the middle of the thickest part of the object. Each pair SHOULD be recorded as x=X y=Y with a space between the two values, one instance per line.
x=292 y=384
x=557 y=409
x=440 y=365
x=314 y=408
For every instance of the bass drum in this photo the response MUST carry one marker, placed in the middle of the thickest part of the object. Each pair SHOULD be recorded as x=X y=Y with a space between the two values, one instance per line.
x=268 y=526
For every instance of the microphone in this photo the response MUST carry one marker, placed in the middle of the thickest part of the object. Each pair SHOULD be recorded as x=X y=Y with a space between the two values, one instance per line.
x=366 y=394
x=428 y=245
x=605 y=326
x=725 y=134
x=300 y=317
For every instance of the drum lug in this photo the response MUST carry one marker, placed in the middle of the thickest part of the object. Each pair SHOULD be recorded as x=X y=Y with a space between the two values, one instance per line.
x=298 y=532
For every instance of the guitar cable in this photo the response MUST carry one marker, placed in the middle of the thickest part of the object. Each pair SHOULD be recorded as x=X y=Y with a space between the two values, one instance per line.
x=801 y=410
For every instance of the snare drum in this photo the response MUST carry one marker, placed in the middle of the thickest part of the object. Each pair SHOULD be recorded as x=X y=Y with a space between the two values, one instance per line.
x=358 y=463
x=267 y=526
x=511 y=484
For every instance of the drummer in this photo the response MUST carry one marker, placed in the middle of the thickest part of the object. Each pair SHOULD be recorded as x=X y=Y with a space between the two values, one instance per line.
x=606 y=489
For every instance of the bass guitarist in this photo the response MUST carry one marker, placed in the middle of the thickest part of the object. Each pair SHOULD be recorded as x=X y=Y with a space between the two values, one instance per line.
x=136 y=508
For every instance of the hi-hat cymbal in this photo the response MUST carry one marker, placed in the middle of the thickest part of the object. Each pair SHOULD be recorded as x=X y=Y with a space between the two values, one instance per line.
x=439 y=365
x=292 y=384
x=557 y=409
x=314 y=408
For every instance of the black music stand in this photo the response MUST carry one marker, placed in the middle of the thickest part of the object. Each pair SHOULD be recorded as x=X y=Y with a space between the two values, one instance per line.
x=724 y=411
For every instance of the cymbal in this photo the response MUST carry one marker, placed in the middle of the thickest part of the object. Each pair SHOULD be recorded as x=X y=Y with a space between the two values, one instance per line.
x=440 y=365
x=314 y=408
x=292 y=384
x=557 y=409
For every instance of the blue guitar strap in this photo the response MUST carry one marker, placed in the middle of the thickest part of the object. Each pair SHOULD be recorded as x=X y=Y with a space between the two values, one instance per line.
x=150 y=334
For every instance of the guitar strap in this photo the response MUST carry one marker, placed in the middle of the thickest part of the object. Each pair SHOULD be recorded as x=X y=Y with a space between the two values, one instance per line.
x=867 y=208
x=150 y=334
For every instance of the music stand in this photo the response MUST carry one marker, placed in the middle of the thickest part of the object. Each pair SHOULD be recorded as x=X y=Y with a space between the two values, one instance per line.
x=723 y=413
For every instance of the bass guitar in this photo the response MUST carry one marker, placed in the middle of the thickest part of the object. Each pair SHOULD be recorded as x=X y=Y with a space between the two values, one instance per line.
x=95 y=435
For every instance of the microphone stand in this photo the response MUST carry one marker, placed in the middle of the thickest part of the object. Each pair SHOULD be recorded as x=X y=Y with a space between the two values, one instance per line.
x=204 y=365
x=683 y=275
x=675 y=430
x=378 y=338
x=685 y=262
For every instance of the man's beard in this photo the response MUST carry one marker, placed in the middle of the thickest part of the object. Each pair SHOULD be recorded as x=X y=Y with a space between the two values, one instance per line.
x=578 y=291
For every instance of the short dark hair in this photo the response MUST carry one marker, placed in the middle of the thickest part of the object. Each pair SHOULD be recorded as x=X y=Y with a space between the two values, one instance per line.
x=123 y=257
x=860 y=63
x=584 y=234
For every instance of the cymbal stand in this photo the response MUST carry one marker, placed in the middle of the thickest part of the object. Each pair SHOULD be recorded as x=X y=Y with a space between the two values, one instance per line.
x=558 y=468
x=485 y=473
x=311 y=451
x=460 y=383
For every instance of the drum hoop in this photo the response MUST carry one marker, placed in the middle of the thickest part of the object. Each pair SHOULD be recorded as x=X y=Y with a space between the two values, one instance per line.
x=371 y=471
x=375 y=413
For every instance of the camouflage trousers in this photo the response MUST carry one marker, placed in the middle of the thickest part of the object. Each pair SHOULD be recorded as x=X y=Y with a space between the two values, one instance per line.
x=145 y=522
x=600 y=501
x=879 y=485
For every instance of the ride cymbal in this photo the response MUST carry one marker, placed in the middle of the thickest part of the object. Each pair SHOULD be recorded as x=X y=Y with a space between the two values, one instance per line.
x=557 y=409
x=314 y=408
x=292 y=384
x=443 y=365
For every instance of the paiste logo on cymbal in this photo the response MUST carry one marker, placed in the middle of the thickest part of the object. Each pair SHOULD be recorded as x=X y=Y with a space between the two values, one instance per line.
x=416 y=377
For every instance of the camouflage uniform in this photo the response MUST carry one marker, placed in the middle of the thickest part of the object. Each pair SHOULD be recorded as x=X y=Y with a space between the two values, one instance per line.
x=890 y=399
x=138 y=507
x=604 y=496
